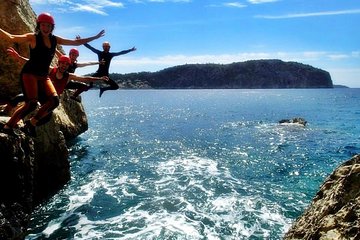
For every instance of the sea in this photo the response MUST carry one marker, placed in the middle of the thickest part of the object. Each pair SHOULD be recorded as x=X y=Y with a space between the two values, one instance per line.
x=199 y=164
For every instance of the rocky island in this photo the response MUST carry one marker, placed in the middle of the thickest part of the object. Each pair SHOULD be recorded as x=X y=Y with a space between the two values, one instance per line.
x=254 y=74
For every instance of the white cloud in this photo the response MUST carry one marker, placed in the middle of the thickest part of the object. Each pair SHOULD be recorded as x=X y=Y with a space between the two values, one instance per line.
x=106 y=3
x=338 y=56
x=92 y=6
x=234 y=4
x=88 y=8
x=313 y=14
x=163 y=1
x=261 y=1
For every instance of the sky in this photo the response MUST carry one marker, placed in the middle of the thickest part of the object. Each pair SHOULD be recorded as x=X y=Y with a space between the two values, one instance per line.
x=321 y=33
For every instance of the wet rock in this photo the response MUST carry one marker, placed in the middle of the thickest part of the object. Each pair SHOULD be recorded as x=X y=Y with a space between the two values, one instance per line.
x=298 y=121
x=16 y=184
x=334 y=212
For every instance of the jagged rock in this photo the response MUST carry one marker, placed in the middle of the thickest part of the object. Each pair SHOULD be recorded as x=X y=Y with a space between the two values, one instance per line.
x=74 y=122
x=51 y=153
x=33 y=169
x=16 y=18
x=16 y=184
x=335 y=210
x=298 y=121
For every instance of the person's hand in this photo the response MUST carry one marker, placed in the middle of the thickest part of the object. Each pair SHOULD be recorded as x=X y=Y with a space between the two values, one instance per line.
x=77 y=37
x=100 y=34
x=105 y=78
x=133 y=49
x=12 y=53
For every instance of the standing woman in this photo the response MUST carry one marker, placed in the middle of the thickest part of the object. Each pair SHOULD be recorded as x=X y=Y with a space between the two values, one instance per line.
x=42 y=45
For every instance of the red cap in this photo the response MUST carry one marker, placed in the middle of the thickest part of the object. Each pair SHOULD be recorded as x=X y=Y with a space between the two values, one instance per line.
x=64 y=58
x=45 y=17
x=74 y=51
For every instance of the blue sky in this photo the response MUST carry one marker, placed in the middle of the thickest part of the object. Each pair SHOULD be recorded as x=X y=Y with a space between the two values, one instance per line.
x=321 y=33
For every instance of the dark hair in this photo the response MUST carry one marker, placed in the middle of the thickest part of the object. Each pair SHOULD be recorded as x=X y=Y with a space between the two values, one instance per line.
x=37 y=28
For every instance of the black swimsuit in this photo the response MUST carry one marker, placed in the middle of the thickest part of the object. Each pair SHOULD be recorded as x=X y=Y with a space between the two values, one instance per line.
x=40 y=57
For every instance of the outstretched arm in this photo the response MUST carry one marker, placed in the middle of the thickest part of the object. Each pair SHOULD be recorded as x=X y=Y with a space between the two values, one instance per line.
x=80 y=41
x=92 y=48
x=87 y=79
x=16 y=56
x=89 y=63
x=23 y=38
x=125 y=51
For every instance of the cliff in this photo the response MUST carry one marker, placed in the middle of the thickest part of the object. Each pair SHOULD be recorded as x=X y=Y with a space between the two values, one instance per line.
x=31 y=169
x=335 y=210
x=243 y=75
x=16 y=18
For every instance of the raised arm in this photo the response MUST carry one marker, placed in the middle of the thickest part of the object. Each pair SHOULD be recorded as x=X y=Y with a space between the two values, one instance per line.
x=92 y=48
x=125 y=51
x=86 y=79
x=79 y=41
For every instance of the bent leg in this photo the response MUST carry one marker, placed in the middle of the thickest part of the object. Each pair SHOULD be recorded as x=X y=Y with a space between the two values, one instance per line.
x=52 y=101
x=83 y=88
x=10 y=105
x=30 y=89
x=46 y=109
x=22 y=112
x=75 y=85
x=112 y=86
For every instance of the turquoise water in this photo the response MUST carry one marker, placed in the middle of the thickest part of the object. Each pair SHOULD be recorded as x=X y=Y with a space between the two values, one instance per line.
x=199 y=164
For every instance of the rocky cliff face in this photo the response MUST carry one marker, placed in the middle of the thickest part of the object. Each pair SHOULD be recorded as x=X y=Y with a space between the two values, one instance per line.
x=16 y=185
x=31 y=169
x=335 y=211
x=17 y=18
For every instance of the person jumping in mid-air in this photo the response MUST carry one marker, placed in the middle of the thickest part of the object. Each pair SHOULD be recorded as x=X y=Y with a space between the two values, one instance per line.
x=80 y=86
x=104 y=56
x=42 y=44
